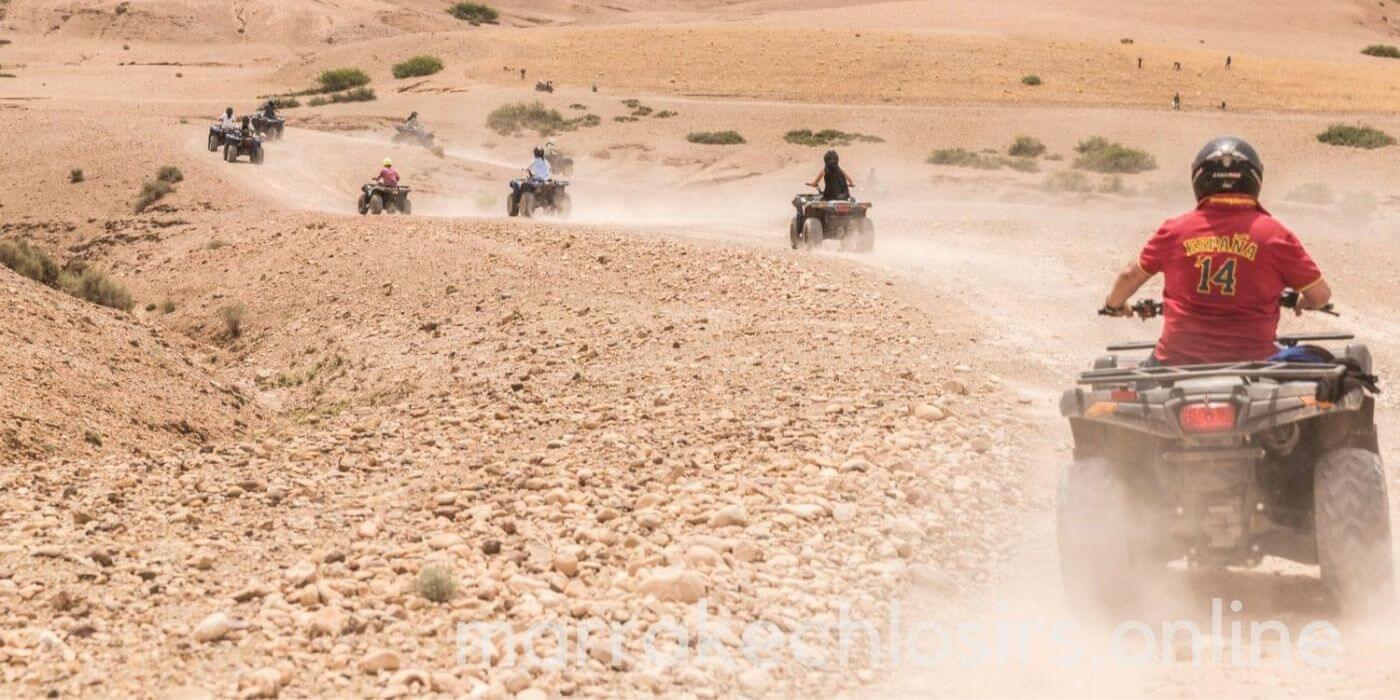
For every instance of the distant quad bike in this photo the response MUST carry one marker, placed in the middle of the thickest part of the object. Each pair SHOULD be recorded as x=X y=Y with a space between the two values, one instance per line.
x=272 y=126
x=560 y=163
x=530 y=197
x=412 y=134
x=236 y=144
x=1222 y=465
x=217 y=135
x=843 y=219
x=376 y=199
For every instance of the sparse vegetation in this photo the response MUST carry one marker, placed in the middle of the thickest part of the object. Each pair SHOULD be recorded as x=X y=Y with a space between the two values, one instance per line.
x=76 y=175
x=1026 y=147
x=1030 y=79
x=436 y=584
x=474 y=13
x=516 y=117
x=828 y=137
x=123 y=8
x=963 y=158
x=665 y=114
x=577 y=106
x=1114 y=184
x=1382 y=50
x=339 y=79
x=417 y=66
x=152 y=191
x=1355 y=136
x=92 y=437
x=1067 y=181
x=285 y=102
x=167 y=307
x=1100 y=155
x=715 y=138
x=170 y=174
x=77 y=278
x=215 y=244
x=1024 y=165
x=232 y=317
x=362 y=94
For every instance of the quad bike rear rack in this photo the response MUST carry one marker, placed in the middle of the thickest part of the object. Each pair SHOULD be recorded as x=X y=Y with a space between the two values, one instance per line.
x=1283 y=371
x=1287 y=341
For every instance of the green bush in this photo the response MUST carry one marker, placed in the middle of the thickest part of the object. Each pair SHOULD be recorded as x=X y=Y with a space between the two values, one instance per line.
x=1026 y=147
x=474 y=13
x=29 y=262
x=665 y=114
x=1382 y=50
x=417 y=66
x=76 y=175
x=285 y=102
x=715 y=138
x=362 y=94
x=516 y=117
x=341 y=79
x=1030 y=80
x=1100 y=155
x=963 y=158
x=152 y=191
x=436 y=584
x=76 y=278
x=1357 y=136
x=232 y=317
x=1067 y=181
x=170 y=174
x=827 y=137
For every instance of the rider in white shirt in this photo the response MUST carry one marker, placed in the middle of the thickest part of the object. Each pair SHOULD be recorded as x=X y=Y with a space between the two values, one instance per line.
x=539 y=167
x=227 y=121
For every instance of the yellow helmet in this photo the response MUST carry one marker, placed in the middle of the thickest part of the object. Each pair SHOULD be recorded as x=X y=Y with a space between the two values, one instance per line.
x=388 y=163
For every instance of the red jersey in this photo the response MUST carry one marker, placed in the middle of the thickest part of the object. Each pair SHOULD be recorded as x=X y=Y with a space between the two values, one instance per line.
x=389 y=177
x=1225 y=264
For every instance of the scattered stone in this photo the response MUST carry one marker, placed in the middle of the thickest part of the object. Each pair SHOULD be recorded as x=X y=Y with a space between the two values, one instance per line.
x=213 y=628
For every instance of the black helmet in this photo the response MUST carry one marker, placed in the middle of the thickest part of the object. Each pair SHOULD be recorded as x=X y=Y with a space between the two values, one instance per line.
x=831 y=158
x=1227 y=165
x=229 y=111
x=539 y=152
x=413 y=116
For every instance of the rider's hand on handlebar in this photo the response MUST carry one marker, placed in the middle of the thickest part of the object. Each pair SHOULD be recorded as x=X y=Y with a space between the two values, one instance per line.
x=1123 y=311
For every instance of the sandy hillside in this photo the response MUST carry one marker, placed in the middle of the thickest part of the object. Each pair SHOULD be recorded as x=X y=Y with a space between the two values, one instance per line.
x=318 y=441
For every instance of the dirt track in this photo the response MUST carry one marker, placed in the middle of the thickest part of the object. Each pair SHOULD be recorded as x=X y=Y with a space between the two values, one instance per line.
x=608 y=418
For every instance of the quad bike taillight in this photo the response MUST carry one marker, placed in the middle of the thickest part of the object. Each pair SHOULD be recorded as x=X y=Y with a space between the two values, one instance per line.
x=843 y=208
x=1207 y=417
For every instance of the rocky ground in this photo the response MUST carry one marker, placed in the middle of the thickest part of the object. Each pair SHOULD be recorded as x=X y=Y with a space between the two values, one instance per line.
x=657 y=424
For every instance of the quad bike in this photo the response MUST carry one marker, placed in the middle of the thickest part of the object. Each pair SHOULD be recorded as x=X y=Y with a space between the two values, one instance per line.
x=236 y=144
x=271 y=126
x=560 y=163
x=1224 y=464
x=376 y=198
x=412 y=134
x=843 y=219
x=528 y=197
x=217 y=136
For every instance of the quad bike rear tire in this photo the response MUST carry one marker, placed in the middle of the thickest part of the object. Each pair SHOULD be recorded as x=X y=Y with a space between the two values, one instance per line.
x=214 y=142
x=563 y=205
x=1351 y=516
x=256 y=156
x=376 y=204
x=362 y=206
x=230 y=153
x=1099 y=566
x=795 y=232
x=527 y=204
x=512 y=205
x=812 y=233
x=405 y=206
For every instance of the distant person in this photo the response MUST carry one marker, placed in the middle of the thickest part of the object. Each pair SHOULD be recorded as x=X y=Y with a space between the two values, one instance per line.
x=1176 y=65
x=837 y=184
x=1229 y=60
x=539 y=167
x=387 y=176
x=270 y=110
x=1176 y=101
x=411 y=123
x=247 y=128
x=1139 y=62
x=1222 y=105
x=550 y=148
x=1224 y=264
x=226 y=120
x=522 y=73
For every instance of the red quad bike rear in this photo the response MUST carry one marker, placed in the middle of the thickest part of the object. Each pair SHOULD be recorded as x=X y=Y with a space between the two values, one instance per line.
x=236 y=144
x=845 y=220
x=1222 y=465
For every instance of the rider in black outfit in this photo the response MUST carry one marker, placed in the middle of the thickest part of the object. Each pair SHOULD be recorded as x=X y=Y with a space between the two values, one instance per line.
x=838 y=183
